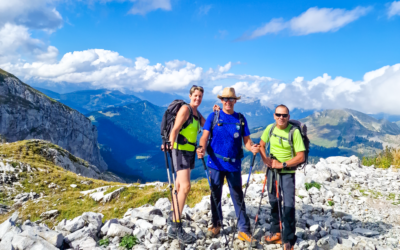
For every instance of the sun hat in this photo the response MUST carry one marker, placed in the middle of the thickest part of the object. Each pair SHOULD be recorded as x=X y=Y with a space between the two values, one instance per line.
x=229 y=92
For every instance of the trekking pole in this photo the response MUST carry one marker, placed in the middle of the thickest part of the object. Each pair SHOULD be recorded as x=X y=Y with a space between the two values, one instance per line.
x=244 y=195
x=166 y=144
x=176 y=197
x=259 y=207
x=277 y=195
x=215 y=200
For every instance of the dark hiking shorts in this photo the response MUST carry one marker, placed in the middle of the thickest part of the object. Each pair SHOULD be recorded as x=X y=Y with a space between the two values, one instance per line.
x=183 y=159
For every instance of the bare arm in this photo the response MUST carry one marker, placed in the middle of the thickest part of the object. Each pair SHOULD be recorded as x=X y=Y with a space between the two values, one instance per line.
x=299 y=158
x=203 y=144
x=181 y=118
x=248 y=143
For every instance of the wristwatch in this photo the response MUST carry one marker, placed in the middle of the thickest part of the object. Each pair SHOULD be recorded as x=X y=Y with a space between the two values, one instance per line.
x=284 y=165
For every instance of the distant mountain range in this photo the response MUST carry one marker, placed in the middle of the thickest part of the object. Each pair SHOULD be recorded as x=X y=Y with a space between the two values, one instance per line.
x=128 y=129
x=91 y=100
x=352 y=130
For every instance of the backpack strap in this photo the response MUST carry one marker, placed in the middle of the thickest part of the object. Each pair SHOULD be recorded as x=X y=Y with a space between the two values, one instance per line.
x=214 y=122
x=190 y=119
x=290 y=139
x=241 y=120
x=269 y=138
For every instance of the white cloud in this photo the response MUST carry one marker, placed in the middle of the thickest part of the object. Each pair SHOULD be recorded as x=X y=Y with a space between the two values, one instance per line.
x=274 y=26
x=377 y=92
x=314 y=20
x=225 y=68
x=142 y=7
x=394 y=9
x=108 y=69
x=217 y=90
x=16 y=40
x=34 y=14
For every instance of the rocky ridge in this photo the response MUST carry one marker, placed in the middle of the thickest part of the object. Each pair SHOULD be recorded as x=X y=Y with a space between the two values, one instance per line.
x=349 y=206
x=26 y=113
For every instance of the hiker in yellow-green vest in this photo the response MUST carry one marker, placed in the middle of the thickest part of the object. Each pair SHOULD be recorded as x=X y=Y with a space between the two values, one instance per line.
x=184 y=137
x=284 y=160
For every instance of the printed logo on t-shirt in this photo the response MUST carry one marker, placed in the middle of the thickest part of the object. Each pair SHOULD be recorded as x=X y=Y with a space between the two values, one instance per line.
x=236 y=135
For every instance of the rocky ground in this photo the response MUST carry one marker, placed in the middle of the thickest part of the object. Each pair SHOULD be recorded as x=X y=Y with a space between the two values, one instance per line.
x=353 y=207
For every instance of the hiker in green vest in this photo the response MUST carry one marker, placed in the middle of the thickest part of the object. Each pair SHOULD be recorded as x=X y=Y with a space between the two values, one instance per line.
x=287 y=158
x=183 y=138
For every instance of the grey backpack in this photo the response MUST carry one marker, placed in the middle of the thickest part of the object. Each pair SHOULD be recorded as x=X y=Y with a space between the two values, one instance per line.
x=303 y=131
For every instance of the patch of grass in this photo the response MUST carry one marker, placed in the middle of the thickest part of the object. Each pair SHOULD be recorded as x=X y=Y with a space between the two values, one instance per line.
x=300 y=196
x=128 y=241
x=331 y=203
x=71 y=203
x=104 y=242
x=386 y=158
x=312 y=184
x=197 y=191
x=111 y=189
x=391 y=196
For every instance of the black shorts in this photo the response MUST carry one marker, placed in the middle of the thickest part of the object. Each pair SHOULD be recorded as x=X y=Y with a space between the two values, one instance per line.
x=183 y=159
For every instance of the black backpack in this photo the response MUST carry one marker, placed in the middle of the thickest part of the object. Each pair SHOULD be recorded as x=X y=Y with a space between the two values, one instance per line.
x=168 y=121
x=303 y=131
x=216 y=122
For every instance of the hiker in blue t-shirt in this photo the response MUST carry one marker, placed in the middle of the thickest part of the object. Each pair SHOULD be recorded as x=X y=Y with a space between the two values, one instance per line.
x=224 y=160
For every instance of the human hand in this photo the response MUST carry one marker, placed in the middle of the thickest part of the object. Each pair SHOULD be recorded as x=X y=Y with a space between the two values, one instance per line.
x=267 y=161
x=216 y=107
x=276 y=164
x=255 y=149
x=200 y=152
x=168 y=146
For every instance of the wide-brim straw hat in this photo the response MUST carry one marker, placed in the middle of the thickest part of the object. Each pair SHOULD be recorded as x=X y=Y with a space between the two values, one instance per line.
x=229 y=92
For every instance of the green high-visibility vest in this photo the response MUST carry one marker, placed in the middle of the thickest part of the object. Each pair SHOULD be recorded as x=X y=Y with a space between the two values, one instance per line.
x=190 y=133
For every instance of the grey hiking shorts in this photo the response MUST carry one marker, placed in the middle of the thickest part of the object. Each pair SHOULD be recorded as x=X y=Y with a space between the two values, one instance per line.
x=183 y=159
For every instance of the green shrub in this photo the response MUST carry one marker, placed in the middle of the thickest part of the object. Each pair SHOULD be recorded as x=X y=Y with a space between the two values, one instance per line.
x=331 y=203
x=384 y=159
x=104 y=242
x=313 y=184
x=129 y=241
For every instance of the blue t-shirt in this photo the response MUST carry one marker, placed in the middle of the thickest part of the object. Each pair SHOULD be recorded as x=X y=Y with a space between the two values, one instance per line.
x=226 y=141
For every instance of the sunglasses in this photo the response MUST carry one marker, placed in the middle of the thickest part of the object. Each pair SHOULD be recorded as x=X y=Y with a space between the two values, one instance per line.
x=228 y=99
x=283 y=115
x=195 y=86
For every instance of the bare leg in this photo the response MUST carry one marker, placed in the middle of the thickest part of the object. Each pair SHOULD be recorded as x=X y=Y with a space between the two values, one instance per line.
x=183 y=187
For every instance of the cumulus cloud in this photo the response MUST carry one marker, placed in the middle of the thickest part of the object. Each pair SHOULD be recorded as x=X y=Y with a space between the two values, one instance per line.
x=33 y=14
x=16 y=40
x=108 y=69
x=376 y=92
x=314 y=20
x=394 y=9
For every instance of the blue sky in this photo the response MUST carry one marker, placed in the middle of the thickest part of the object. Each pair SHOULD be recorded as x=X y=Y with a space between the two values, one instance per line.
x=205 y=33
x=270 y=50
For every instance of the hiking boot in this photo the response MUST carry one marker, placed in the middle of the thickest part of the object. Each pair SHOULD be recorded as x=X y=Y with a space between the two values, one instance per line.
x=213 y=231
x=246 y=237
x=184 y=237
x=288 y=246
x=172 y=231
x=273 y=239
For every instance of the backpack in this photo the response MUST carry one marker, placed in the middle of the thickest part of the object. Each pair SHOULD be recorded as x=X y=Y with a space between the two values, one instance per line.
x=168 y=121
x=216 y=122
x=303 y=131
